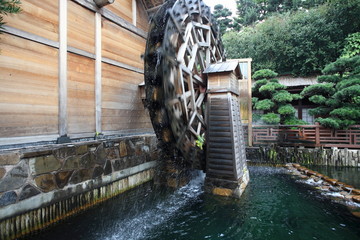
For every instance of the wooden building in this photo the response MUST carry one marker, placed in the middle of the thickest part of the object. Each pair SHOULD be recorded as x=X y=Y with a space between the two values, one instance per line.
x=71 y=68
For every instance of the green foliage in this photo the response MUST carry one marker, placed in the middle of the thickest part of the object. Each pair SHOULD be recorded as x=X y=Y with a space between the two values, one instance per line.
x=265 y=104
x=222 y=15
x=342 y=66
x=328 y=122
x=271 y=118
x=340 y=103
x=271 y=97
x=350 y=113
x=301 y=42
x=320 y=111
x=252 y=11
x=326 y=89
x=292 y=120
x=264 y=74
x=329 y=78
x=282 y=97
x=271 y=87
x=318 y=99
x=200 y=141
x=352 y=46
x=8 y=6
x=287 y=109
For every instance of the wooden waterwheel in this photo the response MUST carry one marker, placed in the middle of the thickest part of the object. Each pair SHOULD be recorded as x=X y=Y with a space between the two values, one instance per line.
x=183 y=41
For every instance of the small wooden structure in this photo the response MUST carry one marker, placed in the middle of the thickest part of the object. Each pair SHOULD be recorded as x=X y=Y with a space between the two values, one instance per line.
x=226 y=170
x=72 y=68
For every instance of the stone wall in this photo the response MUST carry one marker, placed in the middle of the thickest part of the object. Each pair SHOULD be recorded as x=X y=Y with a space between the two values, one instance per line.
x=40 y=178
x=274 y=154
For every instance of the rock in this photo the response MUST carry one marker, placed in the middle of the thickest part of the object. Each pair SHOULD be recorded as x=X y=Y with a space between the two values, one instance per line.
x=112 y=153
x=118 y=164
x=222 y=192
x=87 y=161
x=325 y=188
x=45 y=182
x=65 y=152
x=72 y=163
x=355 y=191
x=15 y=178
x=296 y=165
x=81 y=150
x=44 y=164
x=107 y=168
x=122 y=148
x=347 y=187
x=81 y=175
x=356 y=198
x=98 y=171
x=27 y=192
x=356 y=214
x=100 y=155
x=10 y=158
x=331 y=181
x=2 y=172
x=8 y=198
x=310 y=173
x=62 y=178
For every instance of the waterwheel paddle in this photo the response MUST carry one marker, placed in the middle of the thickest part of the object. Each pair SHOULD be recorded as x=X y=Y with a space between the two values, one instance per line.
x=183 y=41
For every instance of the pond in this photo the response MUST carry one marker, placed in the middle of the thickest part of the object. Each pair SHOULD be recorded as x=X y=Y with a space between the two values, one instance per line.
x=274 y=206
x=348 y=175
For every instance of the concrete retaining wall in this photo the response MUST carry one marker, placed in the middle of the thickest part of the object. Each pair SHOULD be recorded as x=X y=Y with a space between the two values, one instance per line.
x=305 y=156
x=42 y=185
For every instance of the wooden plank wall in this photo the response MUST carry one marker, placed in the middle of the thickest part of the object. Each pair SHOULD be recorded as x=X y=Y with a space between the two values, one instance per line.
x=29 y=71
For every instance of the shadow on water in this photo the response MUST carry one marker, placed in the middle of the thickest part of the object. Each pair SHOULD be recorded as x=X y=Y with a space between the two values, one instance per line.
x=274 y=206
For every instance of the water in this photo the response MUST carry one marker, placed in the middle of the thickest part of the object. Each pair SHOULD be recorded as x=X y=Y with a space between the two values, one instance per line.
x=348 y=175
x=274 y=206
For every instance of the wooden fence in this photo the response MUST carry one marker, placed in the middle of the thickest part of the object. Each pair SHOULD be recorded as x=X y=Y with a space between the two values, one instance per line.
x=305 y=135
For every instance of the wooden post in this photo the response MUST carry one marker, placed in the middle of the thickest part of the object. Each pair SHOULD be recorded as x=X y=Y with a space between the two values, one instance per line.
x=134 y=12
x=317 y=134
x=62 y=68
x=98 y=69
x=250 y=129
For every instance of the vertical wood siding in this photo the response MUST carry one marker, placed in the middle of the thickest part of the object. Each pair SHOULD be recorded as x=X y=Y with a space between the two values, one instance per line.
x=37 y=17
x=122 y=45
x=29 y=82
x=28 y=88
x=81 y=94
x=81 y=28
x=121 y=104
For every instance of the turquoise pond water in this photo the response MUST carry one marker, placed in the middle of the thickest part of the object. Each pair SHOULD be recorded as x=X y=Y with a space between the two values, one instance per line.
x=348 y=175
x=274 y=206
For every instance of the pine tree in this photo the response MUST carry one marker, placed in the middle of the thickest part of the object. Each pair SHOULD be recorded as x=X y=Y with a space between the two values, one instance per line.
x=272 y=97
x=337 y=94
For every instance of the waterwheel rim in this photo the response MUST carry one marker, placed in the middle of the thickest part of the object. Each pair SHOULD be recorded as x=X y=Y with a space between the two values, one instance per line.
x=183 y=41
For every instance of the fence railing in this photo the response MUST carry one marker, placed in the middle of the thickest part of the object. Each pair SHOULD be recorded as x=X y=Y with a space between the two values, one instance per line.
x=305 y=135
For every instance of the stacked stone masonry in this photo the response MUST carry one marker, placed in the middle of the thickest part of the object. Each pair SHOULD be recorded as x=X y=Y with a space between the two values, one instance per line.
x=38 y=177
x=309 y=156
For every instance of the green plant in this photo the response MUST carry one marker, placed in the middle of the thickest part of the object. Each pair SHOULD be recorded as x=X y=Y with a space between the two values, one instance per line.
x=8 y=6
x=271 y=97
x=200 y=141
x=339 y=98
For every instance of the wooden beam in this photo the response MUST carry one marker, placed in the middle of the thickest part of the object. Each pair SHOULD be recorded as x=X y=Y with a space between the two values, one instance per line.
x=134 y=9
x=98 y=70
x=29 y=36
x=112 y=17
x=62 y=67
x=122 y=65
